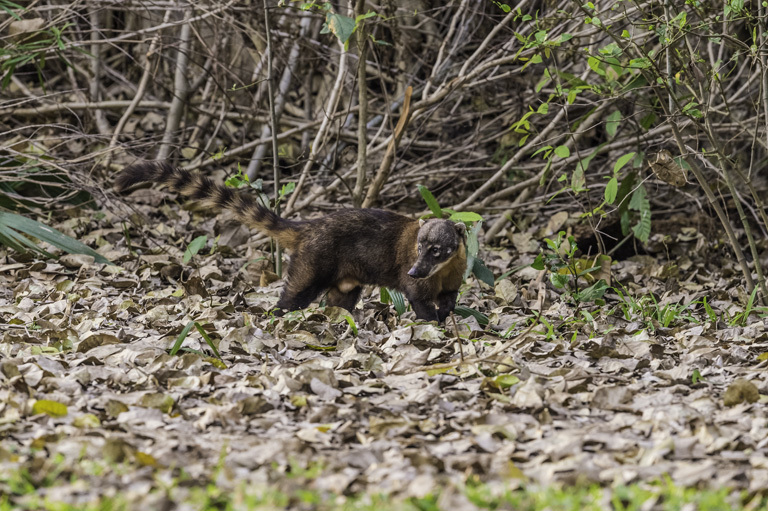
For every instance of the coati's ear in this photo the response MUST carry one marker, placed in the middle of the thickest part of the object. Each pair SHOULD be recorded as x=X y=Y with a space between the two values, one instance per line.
x=461 y=228
x=422 y=222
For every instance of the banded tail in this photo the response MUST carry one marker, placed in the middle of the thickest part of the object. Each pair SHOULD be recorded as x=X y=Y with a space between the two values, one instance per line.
x=194 y=185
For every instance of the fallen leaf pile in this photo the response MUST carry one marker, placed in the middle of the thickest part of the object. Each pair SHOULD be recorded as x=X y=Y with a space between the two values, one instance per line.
x=92 y=403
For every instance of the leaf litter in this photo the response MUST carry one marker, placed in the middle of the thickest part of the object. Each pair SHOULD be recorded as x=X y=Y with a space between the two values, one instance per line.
x=550 y=392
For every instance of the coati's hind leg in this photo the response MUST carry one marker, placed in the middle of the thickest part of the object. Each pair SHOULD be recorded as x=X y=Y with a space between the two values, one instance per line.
x=295 y=297
x=300 y=289
x=347 y=300
x=446 y=302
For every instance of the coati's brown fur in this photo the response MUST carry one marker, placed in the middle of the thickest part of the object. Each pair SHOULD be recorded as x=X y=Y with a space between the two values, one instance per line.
x=425 y=260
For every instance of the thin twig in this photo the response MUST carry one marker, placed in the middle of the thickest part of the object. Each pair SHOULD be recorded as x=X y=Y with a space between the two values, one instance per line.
x=458 y=337
x=321 y=133
x=362 y=100
x=273 y=119
x=277 y=102
x=180 y=87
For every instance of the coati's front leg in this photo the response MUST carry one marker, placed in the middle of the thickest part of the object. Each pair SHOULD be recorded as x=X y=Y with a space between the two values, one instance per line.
x=423 y=309
x=446 y=302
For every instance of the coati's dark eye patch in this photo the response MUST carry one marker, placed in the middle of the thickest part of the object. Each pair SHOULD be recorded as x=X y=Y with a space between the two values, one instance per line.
x=436 y=250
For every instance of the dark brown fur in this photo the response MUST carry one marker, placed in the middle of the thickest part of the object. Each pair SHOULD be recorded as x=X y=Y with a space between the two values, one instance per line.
x=341 y=251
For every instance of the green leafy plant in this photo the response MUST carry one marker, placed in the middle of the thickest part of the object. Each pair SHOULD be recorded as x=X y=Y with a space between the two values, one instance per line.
x=31 y=48
x=177 y=346
x=394 y=297
x=565 y=269
x=741 y=318
x=711 y=314
x=648 y=310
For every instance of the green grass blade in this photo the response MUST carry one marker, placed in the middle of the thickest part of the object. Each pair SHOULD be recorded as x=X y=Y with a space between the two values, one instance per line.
x=21 y=243
x=208 y=339
x=180 y=338
x=49 y=235
x=395 y=298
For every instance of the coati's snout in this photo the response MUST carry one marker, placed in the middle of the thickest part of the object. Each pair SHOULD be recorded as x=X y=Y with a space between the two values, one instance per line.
x=437 y=243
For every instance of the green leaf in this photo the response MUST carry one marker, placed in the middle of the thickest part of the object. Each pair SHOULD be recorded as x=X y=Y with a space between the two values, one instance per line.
x=466 y=312
x=642 y=230
x=369 y=14
x=538 y=263
x=351 y=323
x=431 y=201
x=594 y=65
x=340 y=26
x=180 y=339
x=612 y=123
x=696 y=377
x=287 y=189
x=611 y=189
x=482 y=272
x=559 y=280
x=394 y=297
x=194 y=247
x=12 y=224
x=238 y=180
x=562 y=151
x=504 y=381
x=543 y=109
x=593 y=292
x=208 y=339
x=52 y=408
x=465 y=216
x=577 y=179
x=622 y=161
x=641 y=63
x=473 y=244
x=638 y=200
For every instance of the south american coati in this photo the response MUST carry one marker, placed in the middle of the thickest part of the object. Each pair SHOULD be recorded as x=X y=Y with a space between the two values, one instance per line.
x=340 y=252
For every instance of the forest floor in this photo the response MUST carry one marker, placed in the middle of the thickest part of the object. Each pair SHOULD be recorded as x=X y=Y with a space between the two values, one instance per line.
x=661 y=386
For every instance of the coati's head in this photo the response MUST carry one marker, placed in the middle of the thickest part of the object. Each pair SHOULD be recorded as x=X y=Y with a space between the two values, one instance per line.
x=438 y=242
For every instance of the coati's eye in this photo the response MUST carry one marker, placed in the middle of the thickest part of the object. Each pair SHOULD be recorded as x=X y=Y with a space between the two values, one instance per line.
x=435 y=250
